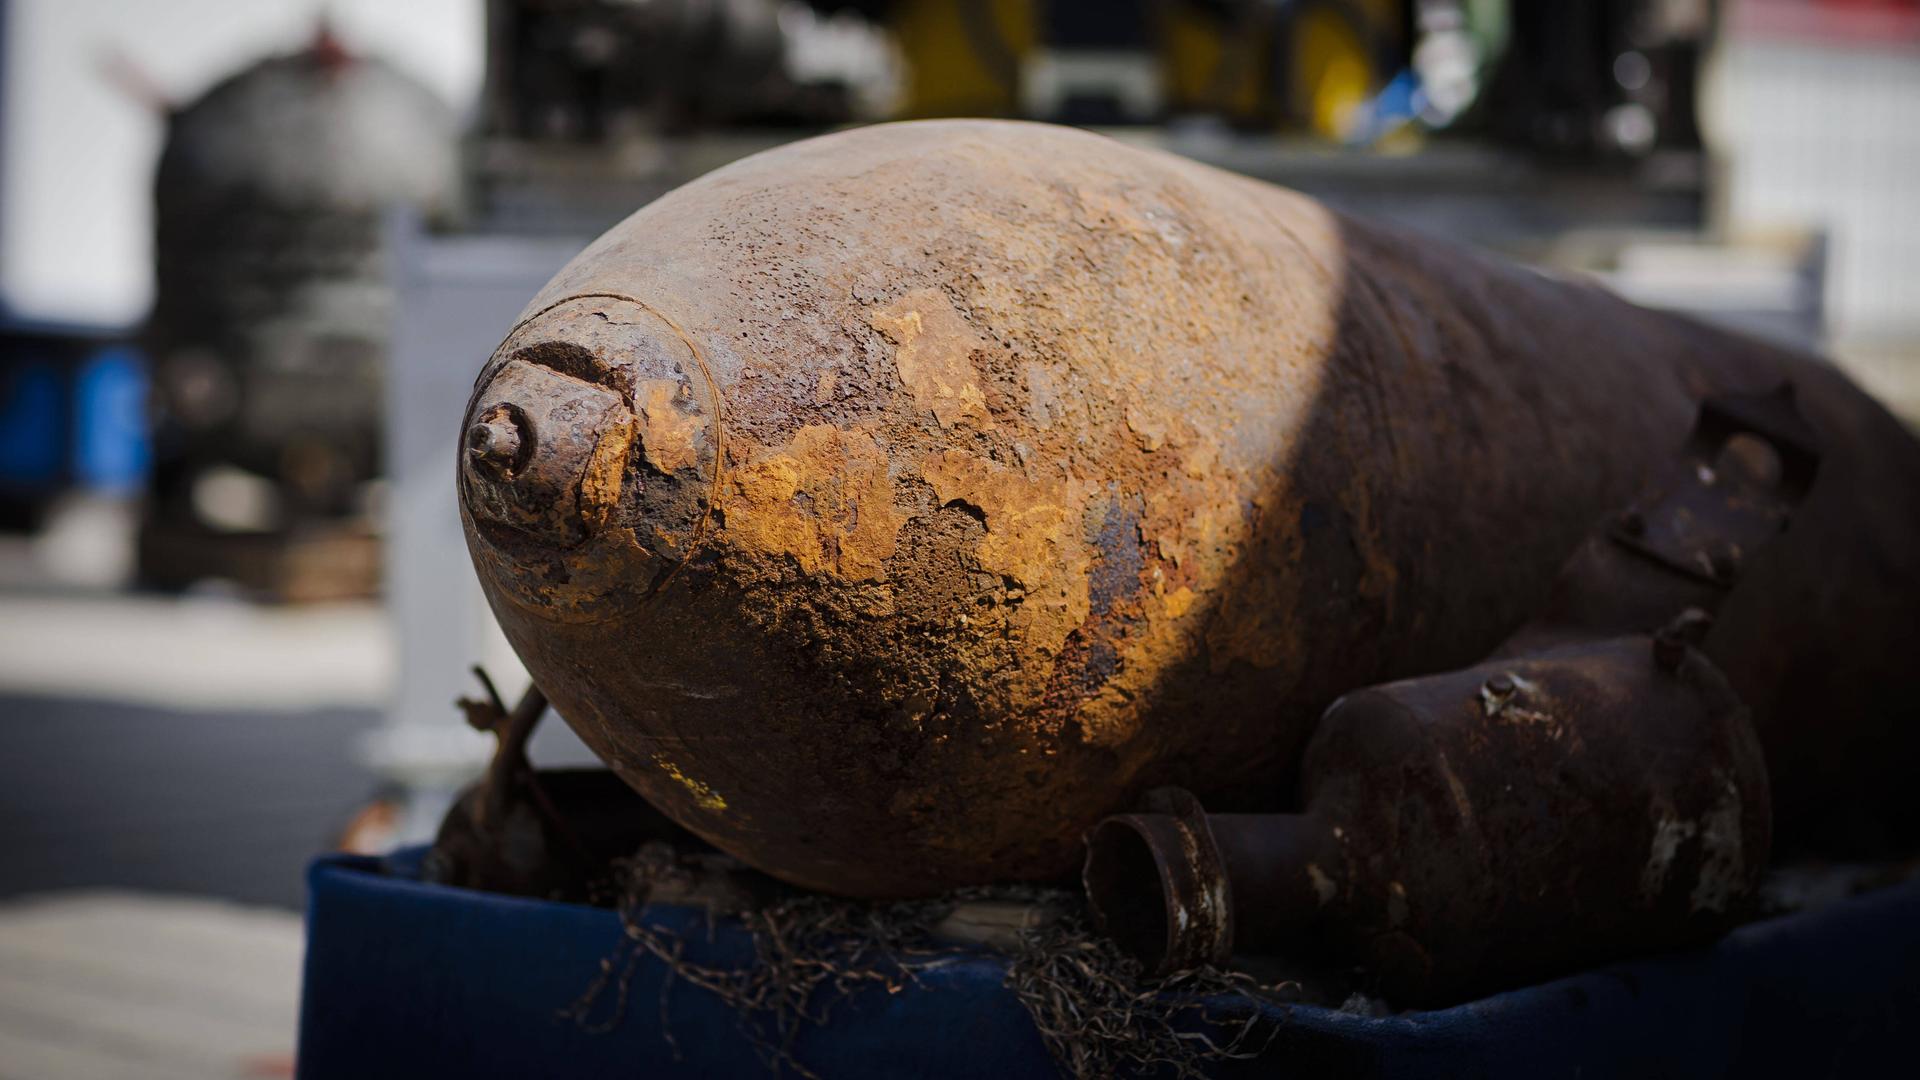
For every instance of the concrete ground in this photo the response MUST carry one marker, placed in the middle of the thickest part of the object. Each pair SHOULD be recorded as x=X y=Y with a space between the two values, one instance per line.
x=167 y=768
x=110 y=985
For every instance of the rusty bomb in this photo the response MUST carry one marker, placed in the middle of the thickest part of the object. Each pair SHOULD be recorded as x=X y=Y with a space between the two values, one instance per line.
x=890 y=507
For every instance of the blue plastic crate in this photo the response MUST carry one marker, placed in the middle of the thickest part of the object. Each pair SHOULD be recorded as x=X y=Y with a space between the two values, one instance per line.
x=405 y=979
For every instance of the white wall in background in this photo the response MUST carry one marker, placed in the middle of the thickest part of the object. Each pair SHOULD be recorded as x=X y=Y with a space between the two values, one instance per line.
x=1827 y=135
x=77 y=163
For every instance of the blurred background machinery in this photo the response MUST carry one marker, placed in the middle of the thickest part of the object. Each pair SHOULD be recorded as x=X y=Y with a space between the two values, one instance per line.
x=1514 y=125
x=271 y=316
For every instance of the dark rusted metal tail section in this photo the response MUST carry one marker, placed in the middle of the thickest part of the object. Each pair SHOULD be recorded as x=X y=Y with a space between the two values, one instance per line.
x=1592 y=790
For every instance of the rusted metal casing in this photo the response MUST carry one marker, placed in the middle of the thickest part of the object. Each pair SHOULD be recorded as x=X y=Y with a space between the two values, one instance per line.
x=1578 y=796
x=891 y=506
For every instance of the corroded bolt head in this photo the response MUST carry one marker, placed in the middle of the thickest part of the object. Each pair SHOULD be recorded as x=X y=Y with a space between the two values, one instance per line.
x=494 y=443
x=1500 y=685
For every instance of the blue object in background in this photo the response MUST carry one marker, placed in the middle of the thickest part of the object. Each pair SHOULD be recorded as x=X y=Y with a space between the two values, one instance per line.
x=72 y=412
x=111 y=450
x=405 y=979
x=32 y=427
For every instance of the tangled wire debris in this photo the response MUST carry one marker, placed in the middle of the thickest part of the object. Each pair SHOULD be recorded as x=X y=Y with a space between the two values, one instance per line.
x=809 y=953
x=1097 y=1012
x=1101 y=1016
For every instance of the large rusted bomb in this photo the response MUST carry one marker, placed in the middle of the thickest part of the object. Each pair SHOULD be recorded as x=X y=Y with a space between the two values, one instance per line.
x=891 y=506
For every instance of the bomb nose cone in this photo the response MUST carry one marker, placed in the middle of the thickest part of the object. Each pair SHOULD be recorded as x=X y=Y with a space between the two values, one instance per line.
x=545 y=452
x=593 y=420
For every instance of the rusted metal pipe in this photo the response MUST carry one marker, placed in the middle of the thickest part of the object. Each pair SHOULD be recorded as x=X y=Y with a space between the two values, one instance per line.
x=1578 y=796
x=894 y=505
x=1167 y=883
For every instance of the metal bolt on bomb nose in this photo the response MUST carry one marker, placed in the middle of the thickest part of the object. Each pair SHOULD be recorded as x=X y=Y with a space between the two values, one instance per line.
x=494 y=444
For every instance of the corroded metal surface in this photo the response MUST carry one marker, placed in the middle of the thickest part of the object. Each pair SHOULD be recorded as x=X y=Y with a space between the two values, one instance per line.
x=1476 y=830
x=1585 y=793
x=1160 y=882
x=1472 y=831
x=1529 y=815
x=891 y=506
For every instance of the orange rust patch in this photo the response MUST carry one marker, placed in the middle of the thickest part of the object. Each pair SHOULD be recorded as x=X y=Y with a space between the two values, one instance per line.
x=1032 y=538
x=825 y=501
x=934 y=350
x=669 y=435
x=1179 y=601
x=600 y=483
x=1164 y=635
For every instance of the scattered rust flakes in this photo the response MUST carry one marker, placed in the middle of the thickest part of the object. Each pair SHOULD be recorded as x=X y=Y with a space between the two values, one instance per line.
x=1668 y=834
x=1135 y=213
x=1723 y=862
x=669 y=433
x=825 y=501
x=933 y=348
x=1150 y=425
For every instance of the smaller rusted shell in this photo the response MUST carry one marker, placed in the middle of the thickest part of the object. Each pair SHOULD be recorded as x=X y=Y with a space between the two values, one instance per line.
x=1603 y=805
